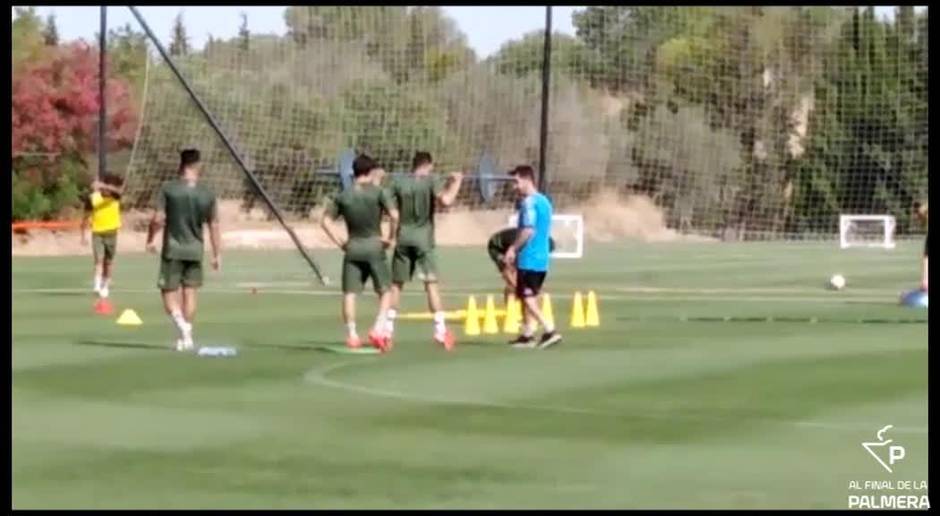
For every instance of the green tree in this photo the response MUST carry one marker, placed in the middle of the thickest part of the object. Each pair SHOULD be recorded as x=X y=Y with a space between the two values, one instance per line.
x=570 y=56
x=50 y=33
x=374 y=24
x=626 y=38
x=27 y=36
x=413 y=44
x=127 y=56
x=752 y=68
x=179 y=41
x=870 y=136
x=244 y=36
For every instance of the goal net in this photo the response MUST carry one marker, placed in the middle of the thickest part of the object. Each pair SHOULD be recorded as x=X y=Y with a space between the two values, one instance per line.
x=567 y=232
x=737 y=122
x=866 y=231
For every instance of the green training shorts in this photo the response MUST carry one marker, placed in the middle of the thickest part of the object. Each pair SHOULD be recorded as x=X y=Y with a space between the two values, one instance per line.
x=177 y=273
x=408 y=258
x=104 y=246
x=356 y=271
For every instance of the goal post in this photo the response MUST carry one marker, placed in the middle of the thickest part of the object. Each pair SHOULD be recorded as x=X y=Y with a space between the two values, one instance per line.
x=872 y=231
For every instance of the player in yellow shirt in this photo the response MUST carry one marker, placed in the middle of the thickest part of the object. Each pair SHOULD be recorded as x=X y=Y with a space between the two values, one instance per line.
x=103 y=209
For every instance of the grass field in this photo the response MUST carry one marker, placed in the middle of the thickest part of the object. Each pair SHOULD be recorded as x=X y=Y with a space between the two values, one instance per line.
x=666 y=405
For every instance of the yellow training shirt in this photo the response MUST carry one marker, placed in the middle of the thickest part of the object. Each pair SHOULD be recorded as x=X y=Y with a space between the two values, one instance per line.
x=105 y=214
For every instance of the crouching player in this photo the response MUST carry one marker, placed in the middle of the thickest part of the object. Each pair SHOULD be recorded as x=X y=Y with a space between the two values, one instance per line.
x=530 y=255
x=497 y=246
x=361 y=206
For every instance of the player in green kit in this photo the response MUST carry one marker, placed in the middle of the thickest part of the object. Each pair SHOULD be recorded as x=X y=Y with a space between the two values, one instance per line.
x=362 y=206
x=417 y=197
x=184 y=207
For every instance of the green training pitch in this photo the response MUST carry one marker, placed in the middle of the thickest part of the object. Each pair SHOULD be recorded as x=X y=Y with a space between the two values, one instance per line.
x=687 y=396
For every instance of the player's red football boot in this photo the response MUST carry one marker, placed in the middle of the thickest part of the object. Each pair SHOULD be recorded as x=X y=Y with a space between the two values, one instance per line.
x=446 y=339
x=381 y=341
x=103 y=307
x=353 y=342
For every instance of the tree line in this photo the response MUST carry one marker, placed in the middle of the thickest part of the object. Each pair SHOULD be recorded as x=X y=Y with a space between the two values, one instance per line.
x=736 y=119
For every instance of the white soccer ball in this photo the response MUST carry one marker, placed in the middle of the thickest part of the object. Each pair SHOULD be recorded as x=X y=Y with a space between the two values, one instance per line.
x=837 y=282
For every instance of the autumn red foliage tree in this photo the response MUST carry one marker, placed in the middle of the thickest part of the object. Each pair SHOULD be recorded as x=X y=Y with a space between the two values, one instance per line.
x=55 y=114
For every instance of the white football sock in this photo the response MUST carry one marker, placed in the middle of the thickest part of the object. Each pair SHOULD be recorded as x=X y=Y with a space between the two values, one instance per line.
x=182 y=325
x=105 y=288
x=390 y=320
x=379 y=323
x=97 y=283
x=351 y=330
x=529 y=329
x=440 y=326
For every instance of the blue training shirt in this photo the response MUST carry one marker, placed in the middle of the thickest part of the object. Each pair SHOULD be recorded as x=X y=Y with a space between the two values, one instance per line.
x=535 y=211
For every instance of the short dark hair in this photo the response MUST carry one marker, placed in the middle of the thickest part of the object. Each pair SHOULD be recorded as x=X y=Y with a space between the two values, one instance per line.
x=189 y=157
x=363 y=164
x=110 y=178
x=524 y=171
x=421 y=158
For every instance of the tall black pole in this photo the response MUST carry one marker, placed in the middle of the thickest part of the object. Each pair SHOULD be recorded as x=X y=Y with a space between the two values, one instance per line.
x=102 y=99
x=546 y=80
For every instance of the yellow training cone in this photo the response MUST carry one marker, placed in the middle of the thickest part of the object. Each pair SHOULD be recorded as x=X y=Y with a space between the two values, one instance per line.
x=472 y=322
x=490 y=326
x=547 y=313
x=513 y=316
x=129 y=318
x=577 y=312
x=592 y=318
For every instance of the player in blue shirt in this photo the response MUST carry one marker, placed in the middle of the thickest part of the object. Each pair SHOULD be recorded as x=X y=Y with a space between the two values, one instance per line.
x=530 y=254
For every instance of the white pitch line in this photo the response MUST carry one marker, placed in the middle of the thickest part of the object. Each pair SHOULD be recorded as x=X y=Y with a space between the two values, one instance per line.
x=672 y=290
x=320 y=377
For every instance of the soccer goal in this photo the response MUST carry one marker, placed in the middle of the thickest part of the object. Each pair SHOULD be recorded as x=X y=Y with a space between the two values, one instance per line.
x=866 y=231
x=567 y=232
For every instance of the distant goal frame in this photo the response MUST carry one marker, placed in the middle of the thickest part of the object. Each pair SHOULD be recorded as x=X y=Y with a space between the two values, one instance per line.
x=887 y=242
x=576 y=218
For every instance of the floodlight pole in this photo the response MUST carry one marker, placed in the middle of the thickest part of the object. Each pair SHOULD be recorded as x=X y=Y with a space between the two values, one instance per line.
x=102 y=98
x=546 y=79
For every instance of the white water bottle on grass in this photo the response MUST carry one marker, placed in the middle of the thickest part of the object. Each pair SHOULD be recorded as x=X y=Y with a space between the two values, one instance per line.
x=217 y=352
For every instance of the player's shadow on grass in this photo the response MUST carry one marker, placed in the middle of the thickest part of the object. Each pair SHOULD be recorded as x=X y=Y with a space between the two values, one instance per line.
x=482 y=343
x=306 y=346
x=122 y=344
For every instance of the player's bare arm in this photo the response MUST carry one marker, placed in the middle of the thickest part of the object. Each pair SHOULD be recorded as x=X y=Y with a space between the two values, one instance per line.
x=329 y=227
x=83 y=229
x=101 y=186
x=524 y=235
x=215 y=237
x=509 y=275
x=157 y=221
x=449 y=194
x=117 y=191
x=393 y=219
